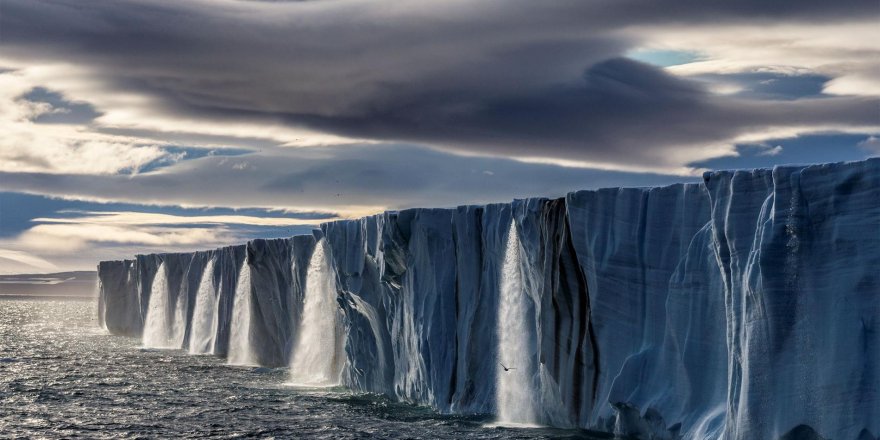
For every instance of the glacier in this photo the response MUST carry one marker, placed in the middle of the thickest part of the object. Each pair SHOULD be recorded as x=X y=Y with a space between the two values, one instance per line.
x=746 y=306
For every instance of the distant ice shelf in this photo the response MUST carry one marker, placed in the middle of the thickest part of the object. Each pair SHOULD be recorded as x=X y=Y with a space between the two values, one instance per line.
x=743 y=307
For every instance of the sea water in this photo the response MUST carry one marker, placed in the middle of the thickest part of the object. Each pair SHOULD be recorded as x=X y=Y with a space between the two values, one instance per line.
x=62 y=376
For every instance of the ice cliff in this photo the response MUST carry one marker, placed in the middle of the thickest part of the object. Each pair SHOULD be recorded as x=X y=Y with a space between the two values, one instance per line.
x=743 y=307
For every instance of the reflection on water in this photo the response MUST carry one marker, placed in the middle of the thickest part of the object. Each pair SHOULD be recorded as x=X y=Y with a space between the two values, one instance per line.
x=62 y=376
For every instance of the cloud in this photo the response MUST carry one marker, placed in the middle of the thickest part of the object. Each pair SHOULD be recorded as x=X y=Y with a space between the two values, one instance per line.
x=622 y=114
x=76 y=236
x=77 y=239
x=79 y=242
x=516 y=79
x=78 y=246
x=790 y=151
x=61 y=111
x=150 y=218
x=844 y=53
x=60 y=148
x=771 y=151
x=18 y=261
x=349 y=180
x=872 y=144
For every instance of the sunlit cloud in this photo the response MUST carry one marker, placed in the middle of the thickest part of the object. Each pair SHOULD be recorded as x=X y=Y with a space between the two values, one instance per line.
x=146 y=218
x=846 y=52
x=136 y=111
x=59 y=148
x=70 y=237
x=771 y=151
x=872 y=144
x=23 y=261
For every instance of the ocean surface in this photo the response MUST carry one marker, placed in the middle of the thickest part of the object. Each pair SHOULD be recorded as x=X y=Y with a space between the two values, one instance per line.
x=61 y=376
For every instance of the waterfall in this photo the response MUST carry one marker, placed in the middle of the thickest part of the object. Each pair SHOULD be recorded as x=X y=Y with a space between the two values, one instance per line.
x=178 y=325
x=102 y=308
x=315 y=361
x=514 y=393
x=156 y=325
x=161 y=328
x=204 y=320
x=240 y=352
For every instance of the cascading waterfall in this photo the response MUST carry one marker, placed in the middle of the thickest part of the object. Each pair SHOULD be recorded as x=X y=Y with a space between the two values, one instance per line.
x=240 y=352
x=178 y=325
x=161 y=328
x=513 y=393
x=158 y=331
x=102 y=309
x=204 y=321
x=315 y=360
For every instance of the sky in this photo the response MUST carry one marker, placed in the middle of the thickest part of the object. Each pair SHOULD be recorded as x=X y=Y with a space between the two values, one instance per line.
x=159 y=126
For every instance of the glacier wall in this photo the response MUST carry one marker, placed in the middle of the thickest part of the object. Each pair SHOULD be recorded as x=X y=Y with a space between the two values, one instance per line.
x=743 y=307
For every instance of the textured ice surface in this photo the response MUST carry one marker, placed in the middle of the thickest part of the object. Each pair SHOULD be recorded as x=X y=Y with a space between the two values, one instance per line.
x=799 y=252
x=744 y=307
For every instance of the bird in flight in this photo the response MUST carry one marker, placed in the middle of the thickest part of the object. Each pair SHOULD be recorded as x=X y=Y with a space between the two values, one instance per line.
x=505 y=368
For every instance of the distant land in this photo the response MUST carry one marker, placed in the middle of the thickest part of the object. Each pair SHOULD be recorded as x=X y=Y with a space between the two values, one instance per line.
x=63 y=285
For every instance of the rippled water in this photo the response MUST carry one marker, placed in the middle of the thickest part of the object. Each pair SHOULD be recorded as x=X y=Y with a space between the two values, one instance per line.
x=63 y=377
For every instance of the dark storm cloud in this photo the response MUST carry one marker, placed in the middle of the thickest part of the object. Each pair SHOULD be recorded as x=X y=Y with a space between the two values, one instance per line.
x=508 y=78
x=621 y=108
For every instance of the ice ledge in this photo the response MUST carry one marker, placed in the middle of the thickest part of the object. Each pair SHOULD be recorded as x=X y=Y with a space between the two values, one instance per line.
x=742 y=307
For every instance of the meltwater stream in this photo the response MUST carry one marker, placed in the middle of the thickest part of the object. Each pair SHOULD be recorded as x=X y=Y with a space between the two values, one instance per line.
x=515 y=355
x=205 y=319
x=61 y=376
x=164 y=325
x=316 y=355
x=240 y=327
